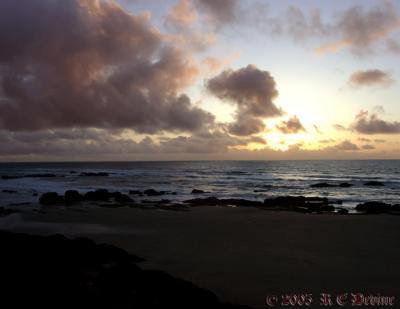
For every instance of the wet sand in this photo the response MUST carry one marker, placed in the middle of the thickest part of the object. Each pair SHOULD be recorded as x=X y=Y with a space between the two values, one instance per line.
x=243 y=254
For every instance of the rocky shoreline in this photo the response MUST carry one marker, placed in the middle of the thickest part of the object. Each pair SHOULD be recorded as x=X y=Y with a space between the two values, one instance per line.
x=288 y=203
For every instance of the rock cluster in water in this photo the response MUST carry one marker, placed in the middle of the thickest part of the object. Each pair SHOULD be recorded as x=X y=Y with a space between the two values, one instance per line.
x=72 y=197
x=295 y=203
x=378 y=207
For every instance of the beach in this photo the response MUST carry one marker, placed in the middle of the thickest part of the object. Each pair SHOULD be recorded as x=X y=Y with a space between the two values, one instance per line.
x=242 y=254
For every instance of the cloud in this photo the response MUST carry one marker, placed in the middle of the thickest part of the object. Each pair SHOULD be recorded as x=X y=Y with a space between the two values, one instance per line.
x=370 y=78
x=182 y=14
x=346 y=145
x=359 y=28
x=393 y=46
x=339 y=127
x=327 y=141
x=368 y=147
x=88 y=63
x=220 y=12
x=371 y=124
x=291 y=126
x=102 y=143
x=252 y=91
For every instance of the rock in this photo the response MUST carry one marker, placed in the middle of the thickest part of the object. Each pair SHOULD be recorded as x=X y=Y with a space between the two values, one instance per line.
x=121 y=198
x=51 y=198
x=342 y=211
x=40 y=176
x=322 y=185
x=82 y=274
x=209 y=201
x=35 y=194
x=6 y=211
x=241 y=202
x=374 y=183
x=152 y=192
x=98 y=195
x=9 y=191
x=300 y=203
x=345 y=185
x=72 y=196
x=135 y=192
x=161 y=202
x=90 y=174
x=196 y=191
x=374 y=207
x=7 y=177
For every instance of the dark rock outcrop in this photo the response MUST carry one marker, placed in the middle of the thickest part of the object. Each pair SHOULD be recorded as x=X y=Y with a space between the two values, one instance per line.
x=374 y=184
x=6 y=211
x=135 y=192
x=152 y=192
x=375 y=207
x=121 y=198
x=98 y=195
x=322 y=185
x=55 y=272
x=209 y=201
x=9 y=191
x=72 y=196
x=345 y=185
x=300 y=203
x=92 y=174
x=51 y=198
x=197 y=191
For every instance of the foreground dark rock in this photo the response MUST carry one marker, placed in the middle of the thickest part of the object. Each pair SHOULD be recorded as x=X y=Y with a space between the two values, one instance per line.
x=377 y=207
x=374 y=184
x=6 y=211
x=9 y=191
x=55 y=272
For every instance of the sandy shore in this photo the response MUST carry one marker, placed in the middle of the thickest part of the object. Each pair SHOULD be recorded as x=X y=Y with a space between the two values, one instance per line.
x=243 y=254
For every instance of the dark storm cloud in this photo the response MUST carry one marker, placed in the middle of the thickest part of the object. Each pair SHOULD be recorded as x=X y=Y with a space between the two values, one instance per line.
x=220 y=11
x=252 y=91
x=371 y=124
x=370 y=78
x=291 y=126
x=89 y=63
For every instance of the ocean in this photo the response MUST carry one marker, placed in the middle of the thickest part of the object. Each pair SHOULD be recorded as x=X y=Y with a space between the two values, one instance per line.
x=254 y=180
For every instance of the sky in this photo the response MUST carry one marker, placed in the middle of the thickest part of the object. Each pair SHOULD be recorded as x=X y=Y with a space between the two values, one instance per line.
x=100 y=80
